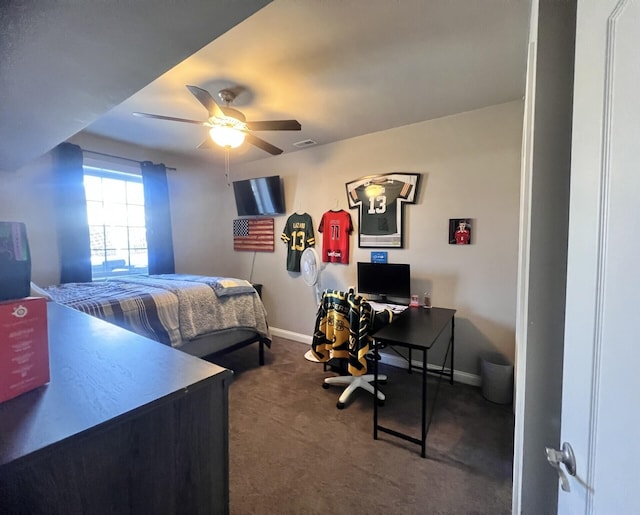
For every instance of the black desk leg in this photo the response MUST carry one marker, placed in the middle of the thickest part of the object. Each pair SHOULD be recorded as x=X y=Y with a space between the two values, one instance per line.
x=375 y=397
x=424 y=403
x=453 y=345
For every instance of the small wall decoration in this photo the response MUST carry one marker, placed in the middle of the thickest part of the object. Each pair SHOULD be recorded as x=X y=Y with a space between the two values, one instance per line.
x=253 y=234
x=379 y=199
x=460 y=231
x=379 y=257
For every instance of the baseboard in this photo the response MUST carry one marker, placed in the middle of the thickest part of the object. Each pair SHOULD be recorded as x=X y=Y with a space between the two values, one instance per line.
x=458 y=376
x=388 y=359
x=290 y=335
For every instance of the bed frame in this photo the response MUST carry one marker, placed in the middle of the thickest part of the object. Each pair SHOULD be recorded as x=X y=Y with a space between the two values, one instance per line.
x=223 y=342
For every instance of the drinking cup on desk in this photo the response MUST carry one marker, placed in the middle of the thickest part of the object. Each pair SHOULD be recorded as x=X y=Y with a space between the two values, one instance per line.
x=427 y=300
x=414 y=301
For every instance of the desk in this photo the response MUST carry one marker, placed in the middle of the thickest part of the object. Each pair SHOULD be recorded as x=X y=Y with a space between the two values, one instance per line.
x=415 y=329
x=126 y=425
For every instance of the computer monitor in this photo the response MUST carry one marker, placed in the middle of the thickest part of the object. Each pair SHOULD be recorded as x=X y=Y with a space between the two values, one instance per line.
x=384 y=280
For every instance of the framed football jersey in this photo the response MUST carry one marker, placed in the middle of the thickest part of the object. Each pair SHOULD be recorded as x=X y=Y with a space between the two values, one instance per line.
x=380 y=200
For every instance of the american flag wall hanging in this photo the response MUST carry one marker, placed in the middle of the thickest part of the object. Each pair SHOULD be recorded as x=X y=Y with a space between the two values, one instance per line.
x=254 y=234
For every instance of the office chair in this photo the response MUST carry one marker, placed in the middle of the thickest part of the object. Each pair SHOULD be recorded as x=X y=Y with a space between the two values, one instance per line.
x=343 y=328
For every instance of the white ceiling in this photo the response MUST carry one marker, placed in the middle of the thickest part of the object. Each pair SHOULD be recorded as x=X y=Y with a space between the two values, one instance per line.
x=63 y=64
x=343 y=68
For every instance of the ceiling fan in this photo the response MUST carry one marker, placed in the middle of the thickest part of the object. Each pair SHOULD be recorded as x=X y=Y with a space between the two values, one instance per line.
x=228 y=127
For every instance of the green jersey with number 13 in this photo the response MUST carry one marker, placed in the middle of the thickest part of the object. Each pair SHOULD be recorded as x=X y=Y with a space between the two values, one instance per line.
x=298 y=235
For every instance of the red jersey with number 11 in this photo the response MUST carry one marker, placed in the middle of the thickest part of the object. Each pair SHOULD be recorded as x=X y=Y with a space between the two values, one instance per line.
x=336 y=227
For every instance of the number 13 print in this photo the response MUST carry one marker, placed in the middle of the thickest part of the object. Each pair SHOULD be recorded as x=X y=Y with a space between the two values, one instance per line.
x=297 y=240
x=381 y=206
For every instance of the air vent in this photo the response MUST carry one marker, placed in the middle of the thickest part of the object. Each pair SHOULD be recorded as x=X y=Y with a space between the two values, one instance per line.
x=305 y=143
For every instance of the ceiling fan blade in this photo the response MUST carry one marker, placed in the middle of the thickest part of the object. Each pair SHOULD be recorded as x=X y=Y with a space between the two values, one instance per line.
x=260 y=143
x=170 y=118
x=205 y=98
x=275 y=125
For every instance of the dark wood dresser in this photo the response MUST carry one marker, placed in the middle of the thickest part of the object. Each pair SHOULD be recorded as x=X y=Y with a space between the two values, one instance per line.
x=126 y=426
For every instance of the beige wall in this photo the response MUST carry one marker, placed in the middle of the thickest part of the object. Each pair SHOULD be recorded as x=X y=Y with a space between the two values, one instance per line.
x=471 y=168
x=26 y=196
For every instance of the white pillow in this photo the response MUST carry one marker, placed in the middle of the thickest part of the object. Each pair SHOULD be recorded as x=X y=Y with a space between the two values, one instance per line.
x=36 y=291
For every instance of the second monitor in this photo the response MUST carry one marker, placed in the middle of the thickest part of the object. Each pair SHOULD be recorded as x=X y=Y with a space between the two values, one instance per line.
x=384 y=280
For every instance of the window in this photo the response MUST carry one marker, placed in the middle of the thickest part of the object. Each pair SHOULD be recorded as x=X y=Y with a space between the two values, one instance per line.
x=115 y=208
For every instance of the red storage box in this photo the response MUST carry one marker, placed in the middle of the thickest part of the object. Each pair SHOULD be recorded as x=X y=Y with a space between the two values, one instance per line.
x=24 y=346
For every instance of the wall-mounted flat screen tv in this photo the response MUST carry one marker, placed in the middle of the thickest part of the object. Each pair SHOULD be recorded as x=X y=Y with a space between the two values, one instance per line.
x=260 y=196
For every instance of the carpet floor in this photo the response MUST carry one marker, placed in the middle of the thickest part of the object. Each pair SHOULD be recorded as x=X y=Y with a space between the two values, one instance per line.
x=291 y=451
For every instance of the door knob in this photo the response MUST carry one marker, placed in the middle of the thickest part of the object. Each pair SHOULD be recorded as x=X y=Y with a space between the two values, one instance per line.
x=566 y=457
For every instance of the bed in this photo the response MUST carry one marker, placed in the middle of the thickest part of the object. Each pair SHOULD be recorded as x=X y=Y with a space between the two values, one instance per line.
x=200 y=315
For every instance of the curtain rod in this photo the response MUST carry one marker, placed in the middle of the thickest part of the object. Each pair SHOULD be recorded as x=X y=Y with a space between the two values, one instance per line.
x=119 y=157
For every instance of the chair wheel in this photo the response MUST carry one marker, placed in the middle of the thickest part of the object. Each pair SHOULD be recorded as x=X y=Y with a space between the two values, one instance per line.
x=380 y=402
x=325 y=386
x=340 y=405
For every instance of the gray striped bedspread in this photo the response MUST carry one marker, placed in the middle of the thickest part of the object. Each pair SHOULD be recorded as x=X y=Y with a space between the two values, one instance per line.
x=170 y=308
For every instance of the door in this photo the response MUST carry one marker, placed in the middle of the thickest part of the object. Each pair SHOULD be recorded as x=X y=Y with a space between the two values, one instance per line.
x=601 y=379
x=544 y=226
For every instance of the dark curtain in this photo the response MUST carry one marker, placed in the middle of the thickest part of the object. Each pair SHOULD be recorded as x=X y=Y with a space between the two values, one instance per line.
x=74 y=242
x=158 y=218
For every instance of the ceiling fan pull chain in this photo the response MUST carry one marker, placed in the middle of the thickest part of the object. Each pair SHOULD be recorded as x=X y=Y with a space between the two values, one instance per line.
x=226 y=165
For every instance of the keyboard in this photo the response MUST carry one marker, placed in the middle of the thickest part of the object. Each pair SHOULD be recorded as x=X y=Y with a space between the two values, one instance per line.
x=379 y=306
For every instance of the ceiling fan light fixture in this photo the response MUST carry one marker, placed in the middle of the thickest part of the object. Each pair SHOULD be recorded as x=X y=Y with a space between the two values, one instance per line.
x=226 y=136
x=228 y=127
